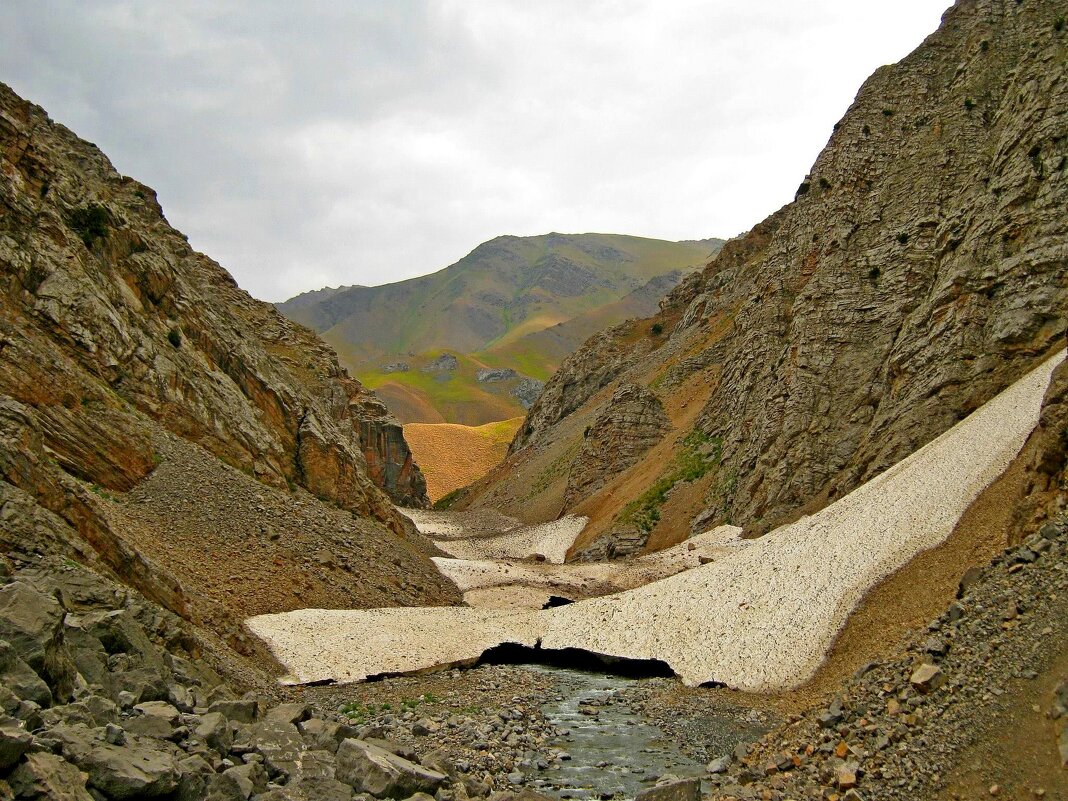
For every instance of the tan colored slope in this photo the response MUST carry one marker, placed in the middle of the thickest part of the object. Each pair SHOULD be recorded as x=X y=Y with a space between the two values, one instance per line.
x=453 y=456
x=760 y=618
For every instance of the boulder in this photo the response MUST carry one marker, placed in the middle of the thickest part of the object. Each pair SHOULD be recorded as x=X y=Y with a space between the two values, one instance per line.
x=676 y=790
x=18 y=677
x=280 y=745
x=370 y=769
x=48 y=776
x=14 y=742
x=214 y=731
x=142 y=768
x=239 y=711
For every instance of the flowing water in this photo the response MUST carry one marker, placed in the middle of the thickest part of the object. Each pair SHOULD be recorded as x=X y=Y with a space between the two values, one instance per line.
x=613 y=752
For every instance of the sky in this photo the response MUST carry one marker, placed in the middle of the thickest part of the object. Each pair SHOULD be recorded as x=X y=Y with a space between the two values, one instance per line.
x=319 y=143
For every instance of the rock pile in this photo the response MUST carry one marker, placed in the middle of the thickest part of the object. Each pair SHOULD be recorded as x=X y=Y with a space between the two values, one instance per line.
x=105 y=696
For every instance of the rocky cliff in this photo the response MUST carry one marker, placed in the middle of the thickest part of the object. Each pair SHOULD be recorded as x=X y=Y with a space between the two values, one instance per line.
x=171 y=431
x=922 y=267
x=106 y=309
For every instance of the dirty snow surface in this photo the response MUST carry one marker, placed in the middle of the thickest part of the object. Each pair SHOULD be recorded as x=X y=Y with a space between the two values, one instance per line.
x=761 y=616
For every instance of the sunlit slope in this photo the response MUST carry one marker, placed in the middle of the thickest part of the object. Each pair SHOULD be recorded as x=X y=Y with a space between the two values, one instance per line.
x=456 y=455
x=513 y=302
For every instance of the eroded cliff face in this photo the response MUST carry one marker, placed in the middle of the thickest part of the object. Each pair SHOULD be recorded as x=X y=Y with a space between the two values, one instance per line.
x=922 y=268
x=163 y=428
x=107 y=309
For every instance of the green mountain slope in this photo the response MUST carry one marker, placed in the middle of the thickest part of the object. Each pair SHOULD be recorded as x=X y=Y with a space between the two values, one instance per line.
x=514 y=302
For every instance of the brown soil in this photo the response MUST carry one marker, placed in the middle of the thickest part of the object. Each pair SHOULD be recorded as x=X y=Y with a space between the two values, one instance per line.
x=452 y=455
x=240 y=548
x=1020 y=754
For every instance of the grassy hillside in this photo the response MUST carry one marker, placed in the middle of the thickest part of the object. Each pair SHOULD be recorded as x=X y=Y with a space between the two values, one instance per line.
x=513 y=302
x=437 y=444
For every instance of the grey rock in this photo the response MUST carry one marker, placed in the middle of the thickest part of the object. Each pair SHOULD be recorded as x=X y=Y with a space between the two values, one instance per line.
x=486 y=375
x=445 y=363
x=280 y=745
x=239 y=711
x=142 y=768
x=48 y=776
x=677 y=790
x=287 y=713
x=250 y=779
x=18 y=677
x=400 y=749
x=213 y=730
x=719 y=765
x=368 y=768
x=14 y=742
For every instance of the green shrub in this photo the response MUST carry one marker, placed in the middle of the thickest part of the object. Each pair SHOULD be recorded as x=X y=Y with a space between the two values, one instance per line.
x=90 y=223
x=690 y=463
x=657 y=329
x=174 y=336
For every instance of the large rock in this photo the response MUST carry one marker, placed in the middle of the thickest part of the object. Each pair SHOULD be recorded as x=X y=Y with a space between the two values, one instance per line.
x=630 y=424
x=676 y=790
x=48 y=776
x=14 y=742
x=369 y=769
x=141 y=768
x=20 y=678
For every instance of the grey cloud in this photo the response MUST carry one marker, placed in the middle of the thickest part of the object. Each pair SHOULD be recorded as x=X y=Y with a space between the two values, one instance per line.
x=304 y=144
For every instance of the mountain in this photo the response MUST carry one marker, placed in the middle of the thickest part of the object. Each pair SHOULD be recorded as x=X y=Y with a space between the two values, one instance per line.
x=164 y=429
x=488 y=310
x=921 y=269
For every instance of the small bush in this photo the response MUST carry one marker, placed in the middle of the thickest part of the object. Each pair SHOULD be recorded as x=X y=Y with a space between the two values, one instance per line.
x=903 y=238
x=874 y=273
x=657 y=329
x=802 y=189
x=888 y=112
x=90 y=223
x=1058 y=24
x=174 y=336
x=969 y=104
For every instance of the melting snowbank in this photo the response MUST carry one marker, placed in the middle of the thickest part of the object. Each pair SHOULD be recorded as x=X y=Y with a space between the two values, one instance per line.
x=760 y=617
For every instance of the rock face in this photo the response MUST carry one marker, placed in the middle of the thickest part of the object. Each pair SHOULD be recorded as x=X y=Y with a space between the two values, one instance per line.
x=108 y=317
x=921 y=269
x=631 y=422
x=134 y=370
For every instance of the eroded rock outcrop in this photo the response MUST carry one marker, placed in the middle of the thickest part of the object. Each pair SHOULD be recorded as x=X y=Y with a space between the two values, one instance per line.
x=106 y=310
x=631 y=423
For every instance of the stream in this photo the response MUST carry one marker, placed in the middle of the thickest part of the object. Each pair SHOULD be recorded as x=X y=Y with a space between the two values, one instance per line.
x=614 y=752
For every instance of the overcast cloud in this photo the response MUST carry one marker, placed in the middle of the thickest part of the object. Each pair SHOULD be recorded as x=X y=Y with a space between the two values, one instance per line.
x=305 y=144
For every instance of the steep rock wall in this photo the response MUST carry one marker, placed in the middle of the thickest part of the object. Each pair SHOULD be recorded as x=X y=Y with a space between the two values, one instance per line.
x=922 y=268
x=105 y=309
